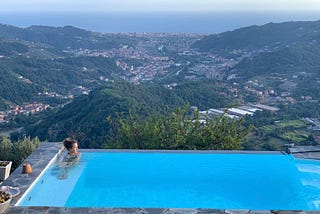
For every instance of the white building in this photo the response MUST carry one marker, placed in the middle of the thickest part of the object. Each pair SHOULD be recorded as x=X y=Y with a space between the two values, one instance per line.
x=239 y=112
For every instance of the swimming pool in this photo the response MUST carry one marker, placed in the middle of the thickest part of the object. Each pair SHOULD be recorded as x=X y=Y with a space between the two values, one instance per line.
x=181 y=180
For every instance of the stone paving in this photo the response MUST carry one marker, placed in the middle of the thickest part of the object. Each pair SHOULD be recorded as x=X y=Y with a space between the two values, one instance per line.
x=307 y=152
x=41 y=157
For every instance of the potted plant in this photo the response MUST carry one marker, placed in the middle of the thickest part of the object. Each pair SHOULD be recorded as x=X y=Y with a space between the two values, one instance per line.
x=5 y=167
x=5 y=199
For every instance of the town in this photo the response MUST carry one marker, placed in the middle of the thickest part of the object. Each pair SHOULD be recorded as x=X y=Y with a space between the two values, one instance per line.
x=171 y=60
x=161 y=55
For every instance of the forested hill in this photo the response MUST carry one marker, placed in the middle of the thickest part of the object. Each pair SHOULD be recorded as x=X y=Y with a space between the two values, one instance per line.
x=286 y=61
x=23 y=78
x=285 y=57
x=300 y=65
x=270 y=35
x=86 y=117
x=40 y=59
x=64 y=37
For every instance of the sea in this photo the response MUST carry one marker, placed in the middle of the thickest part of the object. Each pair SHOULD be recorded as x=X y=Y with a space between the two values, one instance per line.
x=160 y=22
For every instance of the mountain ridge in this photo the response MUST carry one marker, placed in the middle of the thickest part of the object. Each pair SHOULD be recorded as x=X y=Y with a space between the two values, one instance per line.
x=270 y=34
x=63 y=37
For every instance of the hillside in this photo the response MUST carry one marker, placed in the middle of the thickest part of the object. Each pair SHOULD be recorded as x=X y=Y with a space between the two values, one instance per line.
x=275 y=64
x=286 y=61
x=295 y=70
x=85 y=117
x=57 y=60
x=283 y=58
x=42 y=59
x=268 y=36
x=67 y=37
x=23 y=77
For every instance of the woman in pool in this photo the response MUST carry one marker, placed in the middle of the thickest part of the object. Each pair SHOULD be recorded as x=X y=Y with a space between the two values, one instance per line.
x=71 y=158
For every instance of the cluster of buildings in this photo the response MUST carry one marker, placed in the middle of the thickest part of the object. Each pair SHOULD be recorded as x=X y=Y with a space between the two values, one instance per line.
x=315 y=123
x=146 y=66
x=148 y=58
x=157 y=54
x=238 y=112
x=25 y=109
x=78 y=91
x=266 y=94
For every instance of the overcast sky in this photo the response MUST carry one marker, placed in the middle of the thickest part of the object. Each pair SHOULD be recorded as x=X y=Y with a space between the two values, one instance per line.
x=157 y=5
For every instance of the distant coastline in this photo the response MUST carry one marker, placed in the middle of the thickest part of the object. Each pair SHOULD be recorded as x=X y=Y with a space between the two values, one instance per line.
x=168 y=22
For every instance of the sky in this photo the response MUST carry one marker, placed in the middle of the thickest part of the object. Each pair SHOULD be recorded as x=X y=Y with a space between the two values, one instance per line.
x=149 y=16
x=157 y=5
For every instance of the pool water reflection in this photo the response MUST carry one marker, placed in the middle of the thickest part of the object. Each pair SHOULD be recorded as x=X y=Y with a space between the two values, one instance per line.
x=181 y=180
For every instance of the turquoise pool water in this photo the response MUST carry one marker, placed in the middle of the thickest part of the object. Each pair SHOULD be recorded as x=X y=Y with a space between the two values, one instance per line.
x=181 y=180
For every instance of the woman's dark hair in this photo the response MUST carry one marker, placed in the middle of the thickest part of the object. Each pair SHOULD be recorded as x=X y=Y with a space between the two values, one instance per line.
x=68 y=143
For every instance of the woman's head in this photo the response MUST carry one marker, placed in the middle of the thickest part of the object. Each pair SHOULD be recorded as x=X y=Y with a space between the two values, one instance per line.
x=71 y=145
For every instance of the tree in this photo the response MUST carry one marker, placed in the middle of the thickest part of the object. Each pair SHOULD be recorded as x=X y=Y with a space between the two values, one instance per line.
x=17 y=151
x=5 y=148
x=179 y=130
x=23 y=148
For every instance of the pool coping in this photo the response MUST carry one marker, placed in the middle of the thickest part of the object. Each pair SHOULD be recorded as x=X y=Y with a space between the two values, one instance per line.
x=45 y=153
x=185 y=151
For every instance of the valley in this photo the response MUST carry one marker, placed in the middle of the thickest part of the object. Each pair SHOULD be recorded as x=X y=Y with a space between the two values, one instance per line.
x=57 y=69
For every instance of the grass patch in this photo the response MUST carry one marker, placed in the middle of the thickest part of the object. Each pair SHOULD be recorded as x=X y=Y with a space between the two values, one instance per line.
x=296 y=124
x=294 y=137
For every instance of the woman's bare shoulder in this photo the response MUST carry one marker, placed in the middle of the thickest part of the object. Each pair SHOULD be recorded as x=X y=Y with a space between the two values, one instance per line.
x=69 y=160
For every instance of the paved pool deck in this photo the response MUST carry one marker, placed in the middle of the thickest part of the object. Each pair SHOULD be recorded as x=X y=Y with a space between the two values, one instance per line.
x=307 y=152
x=41 y=157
